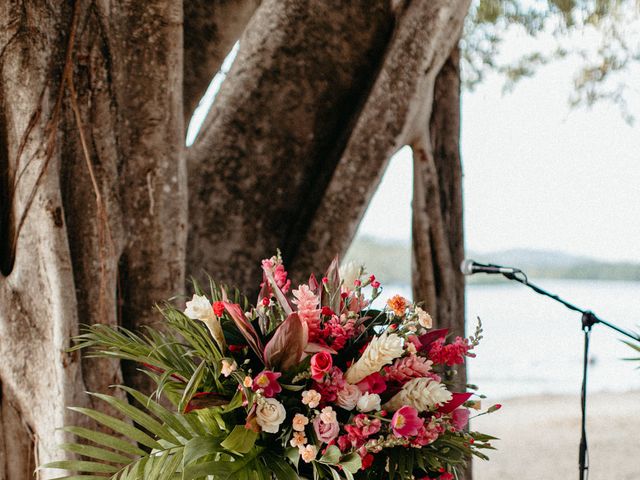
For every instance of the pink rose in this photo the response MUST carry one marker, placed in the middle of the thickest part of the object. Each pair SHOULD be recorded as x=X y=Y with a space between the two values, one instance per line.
x=321 y=363
x=326 y=431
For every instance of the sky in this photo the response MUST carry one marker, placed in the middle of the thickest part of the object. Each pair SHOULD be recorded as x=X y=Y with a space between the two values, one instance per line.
x=537 y=173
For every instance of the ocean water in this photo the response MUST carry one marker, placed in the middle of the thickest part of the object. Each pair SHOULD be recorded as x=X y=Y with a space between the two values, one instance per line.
x=533 y=346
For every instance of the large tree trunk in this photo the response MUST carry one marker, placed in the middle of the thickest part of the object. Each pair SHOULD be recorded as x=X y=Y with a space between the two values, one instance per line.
x=93 y=188
x=293 y=164
x=95 y=198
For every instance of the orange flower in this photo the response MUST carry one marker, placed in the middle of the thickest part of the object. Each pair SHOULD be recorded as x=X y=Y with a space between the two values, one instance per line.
x=397 y=304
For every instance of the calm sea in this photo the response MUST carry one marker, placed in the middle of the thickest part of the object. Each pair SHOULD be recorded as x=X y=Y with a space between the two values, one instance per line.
x=533 y=345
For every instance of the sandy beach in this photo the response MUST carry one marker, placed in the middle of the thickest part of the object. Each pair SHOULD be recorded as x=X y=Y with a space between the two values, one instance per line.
x=539 y=438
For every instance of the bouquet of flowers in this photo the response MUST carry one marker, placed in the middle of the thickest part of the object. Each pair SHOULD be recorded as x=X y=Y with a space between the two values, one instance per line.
x=310 y=383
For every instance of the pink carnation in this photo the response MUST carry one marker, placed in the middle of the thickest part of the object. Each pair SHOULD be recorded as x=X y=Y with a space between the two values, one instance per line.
x=406 y=422
x=267 y=381
x=338 y=330
x=451 y=354
x=308 y=310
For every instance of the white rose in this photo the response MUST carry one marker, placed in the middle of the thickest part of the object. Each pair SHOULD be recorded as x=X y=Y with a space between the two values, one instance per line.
x=270 y=414
x=199 y=308
x=420 y=393
x=369 y=402
x=348 y=397
x=349 y=273
x=381 y=351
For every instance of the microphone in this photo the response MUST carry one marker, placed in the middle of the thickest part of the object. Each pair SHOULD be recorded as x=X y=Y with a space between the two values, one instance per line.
x=469 y=267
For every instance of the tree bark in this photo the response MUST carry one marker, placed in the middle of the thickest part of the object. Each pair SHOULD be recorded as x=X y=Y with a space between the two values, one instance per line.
x=96 y=187
x=294 y=164
x=437 y=240
x=211 y=28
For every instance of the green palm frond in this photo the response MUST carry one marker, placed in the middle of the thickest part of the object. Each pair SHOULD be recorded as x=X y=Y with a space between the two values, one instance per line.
x=153 y=443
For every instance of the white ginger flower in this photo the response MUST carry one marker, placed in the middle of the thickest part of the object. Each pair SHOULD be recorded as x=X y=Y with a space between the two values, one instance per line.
x=380 y=352
x=423 y=394
x=349 y=273
x=199 y=308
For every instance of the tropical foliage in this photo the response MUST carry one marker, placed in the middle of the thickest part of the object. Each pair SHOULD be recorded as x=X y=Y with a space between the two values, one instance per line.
x=317 y=384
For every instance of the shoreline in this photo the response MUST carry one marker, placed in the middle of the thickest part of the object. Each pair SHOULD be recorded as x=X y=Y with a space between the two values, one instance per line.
x=539 y=437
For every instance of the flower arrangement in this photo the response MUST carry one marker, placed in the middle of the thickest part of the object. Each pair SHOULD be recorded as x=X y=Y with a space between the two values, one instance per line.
x=310 y=383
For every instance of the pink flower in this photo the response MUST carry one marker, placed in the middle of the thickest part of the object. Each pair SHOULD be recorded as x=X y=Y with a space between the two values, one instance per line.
x=330 y=385
x=460 y=418
x=407 y=368
x=451 y=354
x=274 y=264
x=308 y=310
x=428 y=433
x=321 y=363
x=267 y=381
x=361 y=429
x=406 y=422
x=373 y=383
x=326 y=431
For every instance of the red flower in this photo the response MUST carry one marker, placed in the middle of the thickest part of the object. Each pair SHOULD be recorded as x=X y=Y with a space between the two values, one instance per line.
x=367 y=461
x=321 y=363
x=373 y=383
x=267 y=381
x=218 y=308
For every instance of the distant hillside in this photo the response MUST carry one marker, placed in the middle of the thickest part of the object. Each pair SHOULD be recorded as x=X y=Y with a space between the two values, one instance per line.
x=391 y=262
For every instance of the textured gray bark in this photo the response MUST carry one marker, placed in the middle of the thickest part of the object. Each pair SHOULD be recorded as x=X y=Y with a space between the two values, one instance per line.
x=84 y=245
x=438 y=243
x=211 y=28
x=294 y=164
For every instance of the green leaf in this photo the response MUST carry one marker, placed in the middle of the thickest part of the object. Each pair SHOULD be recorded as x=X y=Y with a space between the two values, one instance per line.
x=172 y=420
x=331 y=456
x=95 y=452
x=82 y=466
x=240 y=440
x=119 y=426
x=105 y=439
x=139 y=417
x=199 y=447
x=351 y=462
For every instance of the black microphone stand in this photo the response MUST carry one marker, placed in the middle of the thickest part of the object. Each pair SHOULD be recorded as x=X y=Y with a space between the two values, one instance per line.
x=589 y=319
